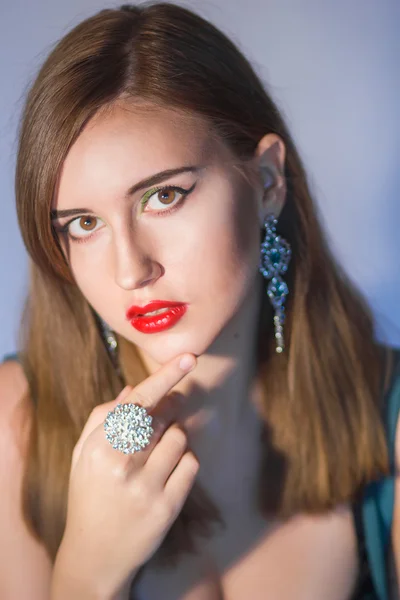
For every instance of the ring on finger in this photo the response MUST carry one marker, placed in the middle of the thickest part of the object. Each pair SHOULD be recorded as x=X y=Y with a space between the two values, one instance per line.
x=128 y=428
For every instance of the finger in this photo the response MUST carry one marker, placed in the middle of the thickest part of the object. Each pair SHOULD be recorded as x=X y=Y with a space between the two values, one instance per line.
x=148 y=394
x=165 y=456
x=181 y=481
x=150 y=391
x=167 y=410
x=165 y=414
x=97 y=417
x=139 y=459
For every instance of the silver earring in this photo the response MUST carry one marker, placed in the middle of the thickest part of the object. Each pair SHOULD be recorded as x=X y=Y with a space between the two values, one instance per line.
x=109 y=337
x=110 y=341
x=275 y=257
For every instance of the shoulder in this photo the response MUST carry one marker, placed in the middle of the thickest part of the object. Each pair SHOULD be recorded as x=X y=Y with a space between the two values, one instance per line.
x=14 y=418
x=13 y=383
x=396 y=513
x=394 y=409
x=24 y=553
x=13 y=408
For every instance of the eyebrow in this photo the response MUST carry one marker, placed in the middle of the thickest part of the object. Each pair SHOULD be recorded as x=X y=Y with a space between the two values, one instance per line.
x=152 y=180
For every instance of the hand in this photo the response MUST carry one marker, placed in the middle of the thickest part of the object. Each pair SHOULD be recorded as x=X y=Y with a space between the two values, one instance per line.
x=120 y=507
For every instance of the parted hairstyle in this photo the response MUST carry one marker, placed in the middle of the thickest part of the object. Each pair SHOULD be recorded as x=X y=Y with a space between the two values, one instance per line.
x=323 y=432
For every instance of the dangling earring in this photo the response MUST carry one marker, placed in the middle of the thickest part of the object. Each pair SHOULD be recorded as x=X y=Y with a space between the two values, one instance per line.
x=111 y=342
x=275 y=257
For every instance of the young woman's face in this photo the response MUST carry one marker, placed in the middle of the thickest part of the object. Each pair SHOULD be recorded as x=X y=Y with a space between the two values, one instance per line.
x=195 y=244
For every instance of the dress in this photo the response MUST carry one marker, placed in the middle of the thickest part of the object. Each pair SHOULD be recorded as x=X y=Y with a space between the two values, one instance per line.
x=373 y=514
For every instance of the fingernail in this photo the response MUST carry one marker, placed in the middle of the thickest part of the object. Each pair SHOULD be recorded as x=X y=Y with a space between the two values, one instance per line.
x=187 y=363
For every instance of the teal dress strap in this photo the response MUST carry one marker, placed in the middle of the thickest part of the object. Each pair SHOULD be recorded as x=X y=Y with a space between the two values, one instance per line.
x=378 y=501
x=13 y=356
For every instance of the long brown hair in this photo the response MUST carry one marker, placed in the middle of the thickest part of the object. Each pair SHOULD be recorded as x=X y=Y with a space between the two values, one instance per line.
x=323 y=426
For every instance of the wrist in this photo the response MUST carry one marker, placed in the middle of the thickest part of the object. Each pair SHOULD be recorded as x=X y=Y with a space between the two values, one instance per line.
x=124 y=592
x=72 y=578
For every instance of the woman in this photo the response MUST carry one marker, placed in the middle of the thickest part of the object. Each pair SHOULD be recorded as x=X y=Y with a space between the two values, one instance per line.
x=156 y=175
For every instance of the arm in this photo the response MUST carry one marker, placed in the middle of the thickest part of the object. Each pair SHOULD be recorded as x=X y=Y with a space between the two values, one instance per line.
x=20 y=553
x=69 y=581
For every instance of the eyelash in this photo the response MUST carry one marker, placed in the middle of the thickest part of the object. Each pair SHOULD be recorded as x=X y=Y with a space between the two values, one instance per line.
x=63 y=229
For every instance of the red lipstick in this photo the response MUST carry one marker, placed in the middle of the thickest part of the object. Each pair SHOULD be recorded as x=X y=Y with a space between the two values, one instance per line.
x=154 y=323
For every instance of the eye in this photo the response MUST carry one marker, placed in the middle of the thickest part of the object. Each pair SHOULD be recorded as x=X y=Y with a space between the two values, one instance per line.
x=85 y=224
x=163 y=199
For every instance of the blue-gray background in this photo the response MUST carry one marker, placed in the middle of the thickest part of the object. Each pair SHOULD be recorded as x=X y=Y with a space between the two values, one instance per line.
x=333 y=68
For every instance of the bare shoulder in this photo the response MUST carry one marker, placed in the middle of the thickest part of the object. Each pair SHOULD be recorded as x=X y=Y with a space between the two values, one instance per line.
x=20 y=552
x=13 y=413
x=395 y=566
x=12 y=377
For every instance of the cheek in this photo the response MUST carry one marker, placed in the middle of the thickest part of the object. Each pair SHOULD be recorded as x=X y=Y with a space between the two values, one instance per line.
x=90 y=275
x=219 y=253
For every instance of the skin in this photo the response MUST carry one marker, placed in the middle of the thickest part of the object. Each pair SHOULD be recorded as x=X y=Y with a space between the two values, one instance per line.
x=205 y=253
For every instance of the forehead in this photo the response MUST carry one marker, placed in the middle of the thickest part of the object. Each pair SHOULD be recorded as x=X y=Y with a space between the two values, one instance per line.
x=136 y=139
x=146 y=125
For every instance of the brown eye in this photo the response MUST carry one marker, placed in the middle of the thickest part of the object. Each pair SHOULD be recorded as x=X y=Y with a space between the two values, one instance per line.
x=87 y=223
x=77 y=228
x=166 y=196
x=164 y=200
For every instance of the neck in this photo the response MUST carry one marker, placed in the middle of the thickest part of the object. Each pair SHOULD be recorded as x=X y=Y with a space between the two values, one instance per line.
x=218 y=413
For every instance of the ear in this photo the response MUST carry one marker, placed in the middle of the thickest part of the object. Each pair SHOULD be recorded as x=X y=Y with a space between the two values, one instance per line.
x=269 y=162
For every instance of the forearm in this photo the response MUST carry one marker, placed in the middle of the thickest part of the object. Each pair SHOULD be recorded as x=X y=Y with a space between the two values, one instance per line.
x=124 y=593
x=66 y=587
x=70 y=579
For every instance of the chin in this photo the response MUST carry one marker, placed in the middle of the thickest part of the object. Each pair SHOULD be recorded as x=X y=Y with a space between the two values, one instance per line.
x=166 y=346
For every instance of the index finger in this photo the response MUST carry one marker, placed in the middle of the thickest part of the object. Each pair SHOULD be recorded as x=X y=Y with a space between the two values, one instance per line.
x=149 y=392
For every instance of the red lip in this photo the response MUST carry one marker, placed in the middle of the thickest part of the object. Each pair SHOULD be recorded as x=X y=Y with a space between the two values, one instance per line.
x=156 y=323
x=136 y=311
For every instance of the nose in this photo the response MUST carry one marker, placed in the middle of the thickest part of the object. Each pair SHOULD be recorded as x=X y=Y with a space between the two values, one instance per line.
x=134 y=267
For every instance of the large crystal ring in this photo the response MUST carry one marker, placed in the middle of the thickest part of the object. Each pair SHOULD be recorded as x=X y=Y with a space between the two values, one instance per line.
x=128 y=428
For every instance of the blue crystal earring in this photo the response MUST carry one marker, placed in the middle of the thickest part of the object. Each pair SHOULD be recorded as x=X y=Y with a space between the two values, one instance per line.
x=275 y=257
